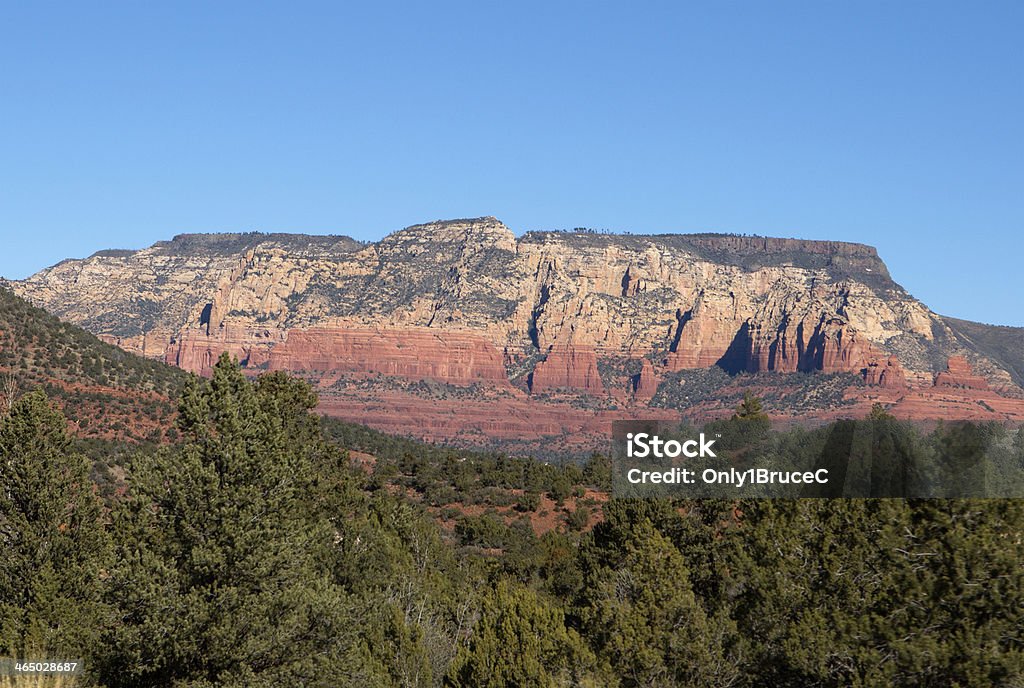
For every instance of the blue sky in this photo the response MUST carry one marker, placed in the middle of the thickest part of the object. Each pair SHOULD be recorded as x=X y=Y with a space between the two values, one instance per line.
x=896 y=124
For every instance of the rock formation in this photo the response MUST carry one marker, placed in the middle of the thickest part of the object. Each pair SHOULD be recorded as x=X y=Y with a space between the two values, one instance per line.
x=416 y=353
x=568 y=368
x=886 y=374
x=959 y=373
x=546 y=316
x=646 y=383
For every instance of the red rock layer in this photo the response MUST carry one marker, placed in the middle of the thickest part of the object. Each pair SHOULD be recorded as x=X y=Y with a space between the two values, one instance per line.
x=827 y=345
x=545 y=425
x=415 y=353
x=933 y=403
x=959 y=373
x=646 y=382
x=889 y=374
x=913 y=403
x=196 y=351
x=568 y=367
x=701 y=336
x=700 y=344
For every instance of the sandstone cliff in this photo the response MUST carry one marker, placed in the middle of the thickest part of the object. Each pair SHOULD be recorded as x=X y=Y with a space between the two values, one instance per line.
x=466 y=302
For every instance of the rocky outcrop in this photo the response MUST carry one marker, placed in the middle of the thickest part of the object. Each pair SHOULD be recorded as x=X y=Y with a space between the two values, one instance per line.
x=783 y=341
x=960 y=374
x=646 y=382
x=888 y=373
x=197 y=350
x=567 y=368
x=152 y=344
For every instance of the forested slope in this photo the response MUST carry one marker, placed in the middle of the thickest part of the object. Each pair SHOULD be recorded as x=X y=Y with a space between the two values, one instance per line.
x=105 y=392
x=256 y=552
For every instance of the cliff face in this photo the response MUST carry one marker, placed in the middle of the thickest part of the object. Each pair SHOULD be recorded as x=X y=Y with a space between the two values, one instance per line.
x=416 y=353
x=467 y=303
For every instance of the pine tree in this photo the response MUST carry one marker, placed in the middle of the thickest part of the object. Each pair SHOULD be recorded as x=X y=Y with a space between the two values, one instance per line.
x=751 y=408
x=747 y=426
x=55 y=548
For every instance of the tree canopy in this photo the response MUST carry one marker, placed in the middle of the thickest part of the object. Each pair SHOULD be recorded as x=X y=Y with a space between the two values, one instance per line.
x=257 y=552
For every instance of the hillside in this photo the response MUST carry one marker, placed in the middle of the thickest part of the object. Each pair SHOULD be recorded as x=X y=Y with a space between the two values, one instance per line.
x=460 y=331
x=1004 y=345
x=104 y=391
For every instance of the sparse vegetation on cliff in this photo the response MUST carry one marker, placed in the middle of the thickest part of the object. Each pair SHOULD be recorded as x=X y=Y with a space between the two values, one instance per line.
x=785 y=393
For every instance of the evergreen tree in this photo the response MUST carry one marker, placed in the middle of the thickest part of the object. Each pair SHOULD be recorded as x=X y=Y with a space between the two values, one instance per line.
x=751 y=408
x=878 y=412
x=958 y=594
x=598 y=471
x=878 y=457
x=412 y=597
x=643 y=618
x=54 y=546
x=812 y=586
x=962 y=459
x=223 y=575
x=748 y=426
x=521 y=640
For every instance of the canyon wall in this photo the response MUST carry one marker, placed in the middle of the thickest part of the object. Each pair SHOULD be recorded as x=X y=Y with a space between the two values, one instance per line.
x=615 y=319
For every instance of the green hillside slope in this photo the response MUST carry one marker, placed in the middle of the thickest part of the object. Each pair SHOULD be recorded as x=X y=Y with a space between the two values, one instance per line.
x=105 y=392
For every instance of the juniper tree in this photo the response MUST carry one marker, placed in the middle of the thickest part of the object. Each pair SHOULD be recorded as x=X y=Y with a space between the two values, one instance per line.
x=959 y=593
x=521 y=640
x=879 y=412
x=222 y=577
x=748 y=425
x=642 y=616
x=55 y=549
x=811 y=583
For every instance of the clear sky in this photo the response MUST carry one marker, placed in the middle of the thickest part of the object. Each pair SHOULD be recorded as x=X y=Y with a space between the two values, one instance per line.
x=897 y=124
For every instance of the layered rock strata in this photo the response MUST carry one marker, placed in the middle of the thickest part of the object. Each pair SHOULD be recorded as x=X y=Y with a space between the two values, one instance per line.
x=469 y=304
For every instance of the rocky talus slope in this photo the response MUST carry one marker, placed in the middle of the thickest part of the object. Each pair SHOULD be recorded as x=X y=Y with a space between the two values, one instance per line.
x=461 y=330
